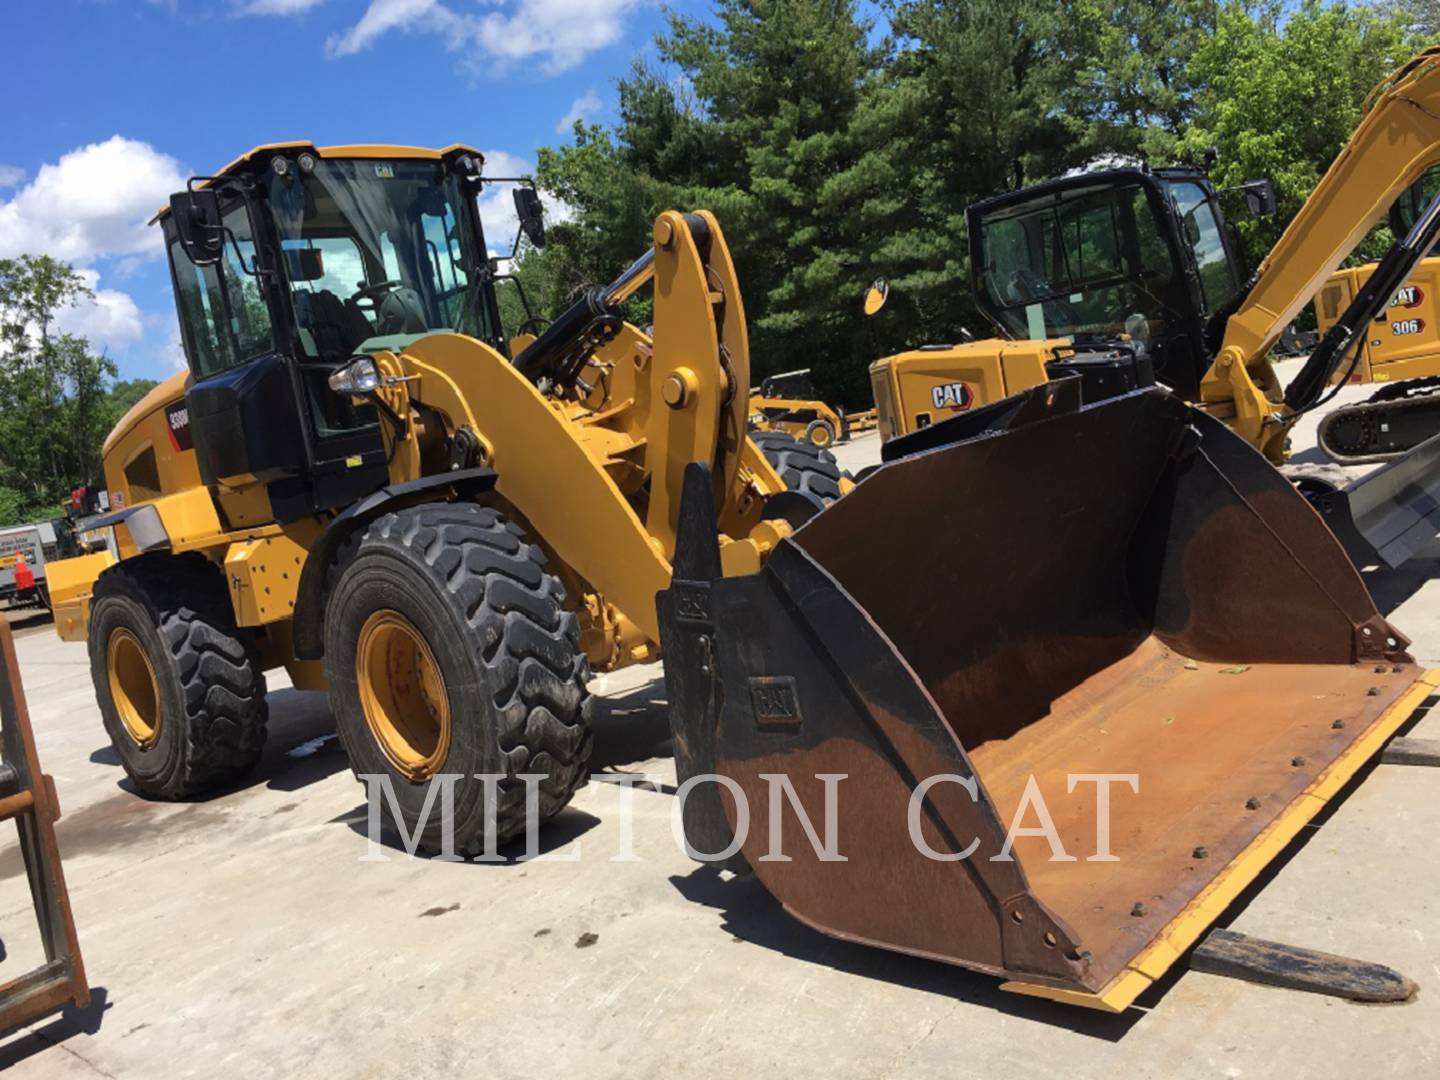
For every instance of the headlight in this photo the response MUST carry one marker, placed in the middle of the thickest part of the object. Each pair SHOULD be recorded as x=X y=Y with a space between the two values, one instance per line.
x=357 y=377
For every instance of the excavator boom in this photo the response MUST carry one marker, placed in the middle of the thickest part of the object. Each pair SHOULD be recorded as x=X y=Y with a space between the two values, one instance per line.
x=1395 y=143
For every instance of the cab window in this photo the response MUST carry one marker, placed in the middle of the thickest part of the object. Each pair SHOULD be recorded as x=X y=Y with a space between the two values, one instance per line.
x=1202 y=235
x=223 y=317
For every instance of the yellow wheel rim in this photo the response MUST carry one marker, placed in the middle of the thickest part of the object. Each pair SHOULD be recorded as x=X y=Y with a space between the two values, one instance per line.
x=820 y=436
x=133 y=687
x=403 y=694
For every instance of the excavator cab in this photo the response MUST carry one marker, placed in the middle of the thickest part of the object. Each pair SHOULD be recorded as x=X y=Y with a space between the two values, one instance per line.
x=1411 y=204
x=1124 y=255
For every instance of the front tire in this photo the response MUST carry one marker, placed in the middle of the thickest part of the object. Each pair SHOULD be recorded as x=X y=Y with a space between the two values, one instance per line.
x=449 y=651
x=180 y=688
x=804 y=467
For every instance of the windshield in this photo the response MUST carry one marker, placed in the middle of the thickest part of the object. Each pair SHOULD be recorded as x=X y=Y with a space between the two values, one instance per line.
x=375 y=255
x=1078 y=265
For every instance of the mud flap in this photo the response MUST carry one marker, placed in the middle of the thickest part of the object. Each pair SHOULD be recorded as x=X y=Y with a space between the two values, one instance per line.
x=1121 y=596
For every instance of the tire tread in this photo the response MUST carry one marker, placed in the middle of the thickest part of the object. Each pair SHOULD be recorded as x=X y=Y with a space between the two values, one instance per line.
x=221 y=682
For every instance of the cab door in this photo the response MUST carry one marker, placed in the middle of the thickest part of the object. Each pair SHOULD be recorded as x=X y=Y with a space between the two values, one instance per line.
x=252 y=417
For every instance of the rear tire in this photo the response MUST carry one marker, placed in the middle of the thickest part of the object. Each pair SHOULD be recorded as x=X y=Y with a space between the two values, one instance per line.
x=180 y=688
x=495 y=647
x=804 y=467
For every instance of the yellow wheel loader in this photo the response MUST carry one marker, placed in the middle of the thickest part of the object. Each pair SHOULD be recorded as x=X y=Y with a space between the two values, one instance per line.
x=1117 y=663
x=1131 y=276
x=358 y=481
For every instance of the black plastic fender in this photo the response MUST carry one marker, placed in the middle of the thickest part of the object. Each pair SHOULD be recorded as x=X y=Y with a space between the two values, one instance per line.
x=309 y=626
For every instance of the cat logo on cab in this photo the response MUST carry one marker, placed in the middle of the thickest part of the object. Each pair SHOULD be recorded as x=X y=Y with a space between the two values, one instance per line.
x=955 y=395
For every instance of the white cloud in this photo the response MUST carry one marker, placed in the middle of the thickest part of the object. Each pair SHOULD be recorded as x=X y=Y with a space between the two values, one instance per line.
x=93 y=202
x=10 y=175
x=275 y=7
x=557 y=33
x=172 y=353
x=497 y=204
x=111 y=318
x=383 y=16
x=582 y=108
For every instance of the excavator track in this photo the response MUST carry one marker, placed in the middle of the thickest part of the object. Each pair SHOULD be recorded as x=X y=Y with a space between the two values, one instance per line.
x=1394 y=421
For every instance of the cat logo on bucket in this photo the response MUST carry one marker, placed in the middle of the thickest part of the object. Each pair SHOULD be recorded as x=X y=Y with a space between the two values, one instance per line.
x=955 y=395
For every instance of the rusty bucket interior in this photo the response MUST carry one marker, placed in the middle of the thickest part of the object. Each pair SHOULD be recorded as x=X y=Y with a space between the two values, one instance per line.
x=1123 y=590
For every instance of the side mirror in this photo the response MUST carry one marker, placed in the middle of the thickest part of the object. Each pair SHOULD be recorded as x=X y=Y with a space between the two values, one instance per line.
x=198 y=224
x=1259 y=197
x=876 y=295
x=531 y=214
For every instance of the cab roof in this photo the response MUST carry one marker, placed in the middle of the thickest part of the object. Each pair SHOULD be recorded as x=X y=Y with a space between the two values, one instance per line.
x=359 y=150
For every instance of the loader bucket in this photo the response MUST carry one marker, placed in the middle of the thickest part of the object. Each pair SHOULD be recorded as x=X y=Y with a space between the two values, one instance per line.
x=1124 y=589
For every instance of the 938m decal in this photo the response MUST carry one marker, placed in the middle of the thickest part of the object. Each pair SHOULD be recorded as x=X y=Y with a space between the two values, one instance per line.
x=177 y=424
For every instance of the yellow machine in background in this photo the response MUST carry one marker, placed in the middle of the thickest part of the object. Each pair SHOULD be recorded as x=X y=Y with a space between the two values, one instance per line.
x=935 y=382
x=1130 y=276
x=1400 y=351
x=356 y=481
x=787 y=402
x=1403 y=340
x=1137 y=265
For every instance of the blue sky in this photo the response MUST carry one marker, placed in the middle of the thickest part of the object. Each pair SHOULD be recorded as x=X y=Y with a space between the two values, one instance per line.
x=113 y=103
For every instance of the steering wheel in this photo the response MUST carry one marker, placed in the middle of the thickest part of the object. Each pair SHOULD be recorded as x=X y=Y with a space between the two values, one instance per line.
x=375 y=291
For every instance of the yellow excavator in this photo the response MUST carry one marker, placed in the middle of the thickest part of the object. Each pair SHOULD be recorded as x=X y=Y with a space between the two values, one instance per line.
x=1128 y=276
x=1400 y=352
x=360 y=480
x=1115 y=592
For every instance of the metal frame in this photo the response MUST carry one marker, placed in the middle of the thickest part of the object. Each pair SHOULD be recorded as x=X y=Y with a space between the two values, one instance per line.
x=27 y=796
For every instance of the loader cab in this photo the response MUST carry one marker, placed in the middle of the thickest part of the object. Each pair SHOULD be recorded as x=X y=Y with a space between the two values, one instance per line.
x=1136 y=253
x=289 y=264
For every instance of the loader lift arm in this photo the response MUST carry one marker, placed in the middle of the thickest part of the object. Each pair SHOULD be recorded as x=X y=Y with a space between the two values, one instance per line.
x=1395 y=143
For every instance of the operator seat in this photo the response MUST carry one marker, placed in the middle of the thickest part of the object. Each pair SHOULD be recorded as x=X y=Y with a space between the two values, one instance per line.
x=337 y=327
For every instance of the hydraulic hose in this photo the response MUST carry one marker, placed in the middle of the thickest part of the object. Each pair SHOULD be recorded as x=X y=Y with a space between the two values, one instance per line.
x=560 y=352
x=1390 y=273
